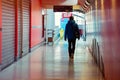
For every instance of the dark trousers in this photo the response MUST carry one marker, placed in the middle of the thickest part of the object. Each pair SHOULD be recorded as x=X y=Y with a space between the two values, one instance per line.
x=71 y=46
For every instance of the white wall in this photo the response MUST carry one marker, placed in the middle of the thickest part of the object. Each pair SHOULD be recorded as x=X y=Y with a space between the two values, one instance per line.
x=50 y=23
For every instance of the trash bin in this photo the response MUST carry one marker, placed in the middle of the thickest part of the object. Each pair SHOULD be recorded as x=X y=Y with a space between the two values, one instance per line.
x=50 y=36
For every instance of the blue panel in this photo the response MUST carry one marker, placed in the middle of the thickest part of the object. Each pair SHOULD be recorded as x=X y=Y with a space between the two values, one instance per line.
x=63 y=22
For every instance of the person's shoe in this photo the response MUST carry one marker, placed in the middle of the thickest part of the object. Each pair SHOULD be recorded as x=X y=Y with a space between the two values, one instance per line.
x=72 y=56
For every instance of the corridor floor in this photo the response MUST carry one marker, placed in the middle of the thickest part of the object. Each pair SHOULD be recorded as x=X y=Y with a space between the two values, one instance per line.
x=52 y=63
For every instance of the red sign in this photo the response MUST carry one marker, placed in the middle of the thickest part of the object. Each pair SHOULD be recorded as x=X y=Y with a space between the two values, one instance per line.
x=66 y=14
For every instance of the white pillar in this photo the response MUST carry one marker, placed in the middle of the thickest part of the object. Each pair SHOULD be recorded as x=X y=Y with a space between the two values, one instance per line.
x=50 y=23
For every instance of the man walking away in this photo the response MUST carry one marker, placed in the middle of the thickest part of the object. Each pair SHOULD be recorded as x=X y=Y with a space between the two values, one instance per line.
x=70 y=35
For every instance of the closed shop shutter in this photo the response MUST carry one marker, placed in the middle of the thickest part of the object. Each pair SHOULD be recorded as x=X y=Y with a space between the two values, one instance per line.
x=25 y=25
x=19 y=28
x=8 y=32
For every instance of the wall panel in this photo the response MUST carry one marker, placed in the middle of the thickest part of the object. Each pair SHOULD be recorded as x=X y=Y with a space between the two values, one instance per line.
x=106 y=21
x=36 y=23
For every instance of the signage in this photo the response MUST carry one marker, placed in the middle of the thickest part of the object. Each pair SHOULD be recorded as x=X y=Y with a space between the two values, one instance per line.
x=66 y=14
x=63 y=8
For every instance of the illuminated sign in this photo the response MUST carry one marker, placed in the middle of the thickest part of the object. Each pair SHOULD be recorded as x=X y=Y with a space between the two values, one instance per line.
x=66 y=14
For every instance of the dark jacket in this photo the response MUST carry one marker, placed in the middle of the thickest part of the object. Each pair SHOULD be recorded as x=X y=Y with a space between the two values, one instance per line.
x=69 y=33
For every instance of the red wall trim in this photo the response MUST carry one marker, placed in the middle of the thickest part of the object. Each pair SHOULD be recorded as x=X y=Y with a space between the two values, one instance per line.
x=30 y=28
x=0 y=46
x=43 y=26
x=0 y=32
x=16 y=28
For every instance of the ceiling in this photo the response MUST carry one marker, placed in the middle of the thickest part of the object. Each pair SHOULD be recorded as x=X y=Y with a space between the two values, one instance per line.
x=51 y=3
x=84 y=4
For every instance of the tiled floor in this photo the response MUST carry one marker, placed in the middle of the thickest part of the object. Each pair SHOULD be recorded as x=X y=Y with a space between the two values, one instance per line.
x=52 y=63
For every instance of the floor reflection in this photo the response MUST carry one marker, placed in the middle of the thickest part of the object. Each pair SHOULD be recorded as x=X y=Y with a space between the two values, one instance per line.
x=52 y=63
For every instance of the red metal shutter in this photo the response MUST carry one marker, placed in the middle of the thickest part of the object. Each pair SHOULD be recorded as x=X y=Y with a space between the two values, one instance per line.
x=8 y=32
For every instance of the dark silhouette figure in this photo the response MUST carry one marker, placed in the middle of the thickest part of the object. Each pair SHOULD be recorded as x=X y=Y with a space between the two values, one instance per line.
x=70 y=35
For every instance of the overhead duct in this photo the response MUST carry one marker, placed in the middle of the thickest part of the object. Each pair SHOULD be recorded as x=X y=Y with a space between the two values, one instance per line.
x=86 y=4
